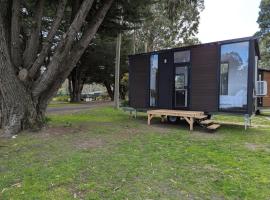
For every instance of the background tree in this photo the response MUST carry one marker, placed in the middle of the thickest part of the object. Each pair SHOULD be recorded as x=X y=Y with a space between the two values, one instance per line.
x=97 y=63
x=169 y=24
x=264 y=33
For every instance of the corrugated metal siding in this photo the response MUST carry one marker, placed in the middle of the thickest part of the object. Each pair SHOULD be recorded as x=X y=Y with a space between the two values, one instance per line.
x=204 y=80
x=139 y=66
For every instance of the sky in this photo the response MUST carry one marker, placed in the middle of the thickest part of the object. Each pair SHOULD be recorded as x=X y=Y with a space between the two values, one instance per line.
x=228 y=19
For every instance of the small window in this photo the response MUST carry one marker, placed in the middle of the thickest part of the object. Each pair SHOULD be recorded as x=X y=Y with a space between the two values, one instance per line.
x=181 y=56
x=153 y=79
x=224 y=76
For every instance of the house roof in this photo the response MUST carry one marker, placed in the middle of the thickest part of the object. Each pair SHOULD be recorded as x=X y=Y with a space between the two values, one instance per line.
x=255 y=39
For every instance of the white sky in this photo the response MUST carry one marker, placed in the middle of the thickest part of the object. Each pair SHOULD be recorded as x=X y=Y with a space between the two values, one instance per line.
x=228 y=19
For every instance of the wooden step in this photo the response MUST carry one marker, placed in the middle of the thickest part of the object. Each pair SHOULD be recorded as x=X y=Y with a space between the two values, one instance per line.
x=206 y=122
x=201 y=117
x=213 y=127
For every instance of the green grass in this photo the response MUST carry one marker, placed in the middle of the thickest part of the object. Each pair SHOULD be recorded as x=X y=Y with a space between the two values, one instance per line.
x=103 y=154
x=62 y=104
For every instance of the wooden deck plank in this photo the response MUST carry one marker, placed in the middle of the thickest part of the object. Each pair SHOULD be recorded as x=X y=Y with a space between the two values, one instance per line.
x=206 y=122
x=201 y=117
x=189 y=116
x=179 y=113
x=213 y=126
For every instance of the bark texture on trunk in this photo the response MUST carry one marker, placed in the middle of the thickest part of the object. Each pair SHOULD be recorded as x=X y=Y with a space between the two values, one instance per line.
x=24 y=91
x=18 y=110
x=31 y=50
x=15 y=35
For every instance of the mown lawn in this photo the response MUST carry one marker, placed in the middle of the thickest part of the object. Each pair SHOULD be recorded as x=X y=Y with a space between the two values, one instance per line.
x=103 y=154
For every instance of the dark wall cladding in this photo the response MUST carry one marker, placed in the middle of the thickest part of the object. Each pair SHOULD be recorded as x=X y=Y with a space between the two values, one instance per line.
x=204 y=80
x=139 y=81
x=204 y=77
x=166 y=80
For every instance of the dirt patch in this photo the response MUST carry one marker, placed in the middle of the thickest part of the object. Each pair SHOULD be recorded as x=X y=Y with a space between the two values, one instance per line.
x=257 y=147
x=58 y=131
x=69 y=108
x=89 y=143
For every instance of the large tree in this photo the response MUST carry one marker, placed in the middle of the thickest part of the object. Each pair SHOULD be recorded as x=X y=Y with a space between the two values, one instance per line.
x=264 y=33
x=28 y=77
x=130 y=13
x=159 y=24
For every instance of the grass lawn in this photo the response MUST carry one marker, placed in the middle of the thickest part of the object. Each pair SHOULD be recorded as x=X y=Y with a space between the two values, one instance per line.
x=102 y=154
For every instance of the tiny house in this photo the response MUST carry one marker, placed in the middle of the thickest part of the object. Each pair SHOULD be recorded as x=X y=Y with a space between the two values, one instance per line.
x=212 y=77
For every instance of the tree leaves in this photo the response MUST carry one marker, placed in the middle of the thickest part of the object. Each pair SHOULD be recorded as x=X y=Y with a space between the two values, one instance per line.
x=264 y=33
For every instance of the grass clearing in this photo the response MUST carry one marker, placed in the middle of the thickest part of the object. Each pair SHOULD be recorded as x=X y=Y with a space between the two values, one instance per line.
x=62 y=104
x=103 y=154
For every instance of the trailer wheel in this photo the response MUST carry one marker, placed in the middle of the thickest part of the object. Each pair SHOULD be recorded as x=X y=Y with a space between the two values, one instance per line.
x=172 y=119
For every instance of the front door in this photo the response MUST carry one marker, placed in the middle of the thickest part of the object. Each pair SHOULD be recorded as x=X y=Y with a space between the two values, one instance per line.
x=181 y=87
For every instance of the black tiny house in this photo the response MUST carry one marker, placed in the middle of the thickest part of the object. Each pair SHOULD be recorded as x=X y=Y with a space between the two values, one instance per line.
x=213 y=77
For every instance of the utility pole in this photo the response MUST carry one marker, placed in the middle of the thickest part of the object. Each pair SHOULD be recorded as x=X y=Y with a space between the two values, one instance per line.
x=117 y=69
x=134 y=41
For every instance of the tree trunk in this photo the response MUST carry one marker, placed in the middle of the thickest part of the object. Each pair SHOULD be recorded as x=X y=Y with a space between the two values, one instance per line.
x=24 y=96
x=76 y=84
x=109 y=90
x=18 y=111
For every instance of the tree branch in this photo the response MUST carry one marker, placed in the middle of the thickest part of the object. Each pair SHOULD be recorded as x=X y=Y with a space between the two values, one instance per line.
x=15 y=35
x=89 y=33
x=63 y=50
x=48 y=85
x=48 y=41
x=31 y=50
x=5 y=12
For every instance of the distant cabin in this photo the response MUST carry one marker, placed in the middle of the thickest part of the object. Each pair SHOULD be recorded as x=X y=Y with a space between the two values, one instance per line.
x=214 y=77
x=264 y=75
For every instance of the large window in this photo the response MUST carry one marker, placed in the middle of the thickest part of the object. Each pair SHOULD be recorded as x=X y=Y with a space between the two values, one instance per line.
x=153 y=79
x=234 y=76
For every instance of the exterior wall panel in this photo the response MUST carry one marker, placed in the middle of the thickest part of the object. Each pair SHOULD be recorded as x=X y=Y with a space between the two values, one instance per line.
x=139 y=67
x=165 y=84
x=204 y=78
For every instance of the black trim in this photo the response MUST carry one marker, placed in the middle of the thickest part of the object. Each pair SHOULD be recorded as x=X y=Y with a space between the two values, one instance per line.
x=251 y=77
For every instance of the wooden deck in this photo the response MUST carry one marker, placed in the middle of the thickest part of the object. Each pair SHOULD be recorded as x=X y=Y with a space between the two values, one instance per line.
x=189 y=116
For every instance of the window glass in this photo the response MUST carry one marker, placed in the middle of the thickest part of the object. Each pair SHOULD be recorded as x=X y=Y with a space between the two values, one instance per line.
x=181 y=84
x=234 y=76
x=153 y=79
x=181 y=56
x=224 y=74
